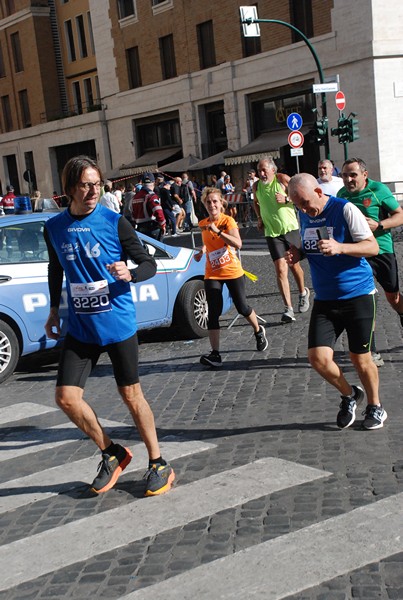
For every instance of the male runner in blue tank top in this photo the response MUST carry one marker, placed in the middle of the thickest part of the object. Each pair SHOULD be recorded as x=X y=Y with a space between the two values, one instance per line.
x=335 y=239
x=91 y=244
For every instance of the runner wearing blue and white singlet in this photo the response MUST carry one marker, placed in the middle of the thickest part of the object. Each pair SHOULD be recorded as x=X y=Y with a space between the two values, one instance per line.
x=336 y=239
x=90 y=245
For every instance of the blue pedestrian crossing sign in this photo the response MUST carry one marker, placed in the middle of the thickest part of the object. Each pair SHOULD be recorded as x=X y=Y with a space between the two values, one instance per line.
x=294 y=122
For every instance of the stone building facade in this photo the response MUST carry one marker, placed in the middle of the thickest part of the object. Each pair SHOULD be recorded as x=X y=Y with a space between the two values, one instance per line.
x=165 y=80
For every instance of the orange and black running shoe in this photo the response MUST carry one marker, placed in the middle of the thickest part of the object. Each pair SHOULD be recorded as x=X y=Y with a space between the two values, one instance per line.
x=110 y=467
x=159 y=479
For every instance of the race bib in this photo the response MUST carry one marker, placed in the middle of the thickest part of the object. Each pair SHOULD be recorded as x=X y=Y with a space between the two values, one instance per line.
x=310 y=241
x=219 y=258
x=90 y=298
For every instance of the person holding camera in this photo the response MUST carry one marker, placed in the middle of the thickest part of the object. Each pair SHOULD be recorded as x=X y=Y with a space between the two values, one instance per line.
x=336 y=239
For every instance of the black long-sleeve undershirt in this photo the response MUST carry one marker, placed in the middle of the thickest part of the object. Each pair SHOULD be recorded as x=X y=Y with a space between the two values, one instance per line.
x=131 y=248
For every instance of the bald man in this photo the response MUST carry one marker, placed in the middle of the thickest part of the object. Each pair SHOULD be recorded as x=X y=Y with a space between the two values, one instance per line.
x=336 y=239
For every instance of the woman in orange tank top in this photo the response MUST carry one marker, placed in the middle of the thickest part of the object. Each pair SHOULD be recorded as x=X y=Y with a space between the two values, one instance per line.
x=221 y=241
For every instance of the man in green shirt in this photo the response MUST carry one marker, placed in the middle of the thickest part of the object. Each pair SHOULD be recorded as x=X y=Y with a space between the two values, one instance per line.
x=382 y=211
x=276 y=217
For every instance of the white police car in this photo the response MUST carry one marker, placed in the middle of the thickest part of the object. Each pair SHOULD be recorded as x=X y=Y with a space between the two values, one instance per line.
x=174 y=296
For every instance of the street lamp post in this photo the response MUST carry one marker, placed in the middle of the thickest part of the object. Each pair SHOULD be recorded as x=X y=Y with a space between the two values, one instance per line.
x=250 y=21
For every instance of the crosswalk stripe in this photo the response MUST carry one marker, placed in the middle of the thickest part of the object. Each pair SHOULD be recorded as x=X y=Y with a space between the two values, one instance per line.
x=36 y=439
x=294 y=562
x=83 y=539
x=33 y=488
x=24 y=410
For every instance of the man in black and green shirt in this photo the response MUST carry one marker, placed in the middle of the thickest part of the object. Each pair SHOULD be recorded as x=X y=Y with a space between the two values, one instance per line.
x=382 y=211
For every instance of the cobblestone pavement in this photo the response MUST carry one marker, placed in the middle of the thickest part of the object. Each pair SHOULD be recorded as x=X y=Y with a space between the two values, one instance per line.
x=261 y=411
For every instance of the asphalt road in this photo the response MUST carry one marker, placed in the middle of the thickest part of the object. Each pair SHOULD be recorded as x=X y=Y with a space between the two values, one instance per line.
x=271 y=499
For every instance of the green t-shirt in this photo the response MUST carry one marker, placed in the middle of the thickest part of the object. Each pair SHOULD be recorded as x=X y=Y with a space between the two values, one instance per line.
x=278 y=219
x=375 y=201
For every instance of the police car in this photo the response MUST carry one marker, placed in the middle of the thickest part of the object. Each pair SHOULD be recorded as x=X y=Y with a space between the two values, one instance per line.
x=174 y=296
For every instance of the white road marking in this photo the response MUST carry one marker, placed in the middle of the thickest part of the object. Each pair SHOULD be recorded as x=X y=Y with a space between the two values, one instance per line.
x=294 y=562
x=36 y=440
x=24 y=410
x=85 y=538
x=44 y=484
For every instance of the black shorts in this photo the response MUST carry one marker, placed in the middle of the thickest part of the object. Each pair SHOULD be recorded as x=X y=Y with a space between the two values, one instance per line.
x=331 y=317
x=78 y=359
x=384 y=268
x=279 y=245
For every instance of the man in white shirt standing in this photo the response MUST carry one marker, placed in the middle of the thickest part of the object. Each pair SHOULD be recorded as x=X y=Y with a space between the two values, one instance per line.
x=109 y=200
x=329 y=184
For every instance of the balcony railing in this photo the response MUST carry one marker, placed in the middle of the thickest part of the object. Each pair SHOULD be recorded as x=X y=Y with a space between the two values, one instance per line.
x=71 y=111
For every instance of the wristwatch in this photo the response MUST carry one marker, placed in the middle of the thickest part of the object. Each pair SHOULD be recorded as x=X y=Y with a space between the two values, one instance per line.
x=380 y=227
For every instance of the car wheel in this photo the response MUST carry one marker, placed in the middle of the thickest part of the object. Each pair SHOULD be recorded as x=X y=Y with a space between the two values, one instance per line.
x=190 y=315
x=9 y=351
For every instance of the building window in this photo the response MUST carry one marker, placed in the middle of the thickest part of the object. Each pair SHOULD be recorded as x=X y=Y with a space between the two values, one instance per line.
x=71 y=50
x=16 y=49
x=89 y=96
x=2 y=67
x=216 y=129
x=98 y=92
x=24 y=107
x=250 y=46
x=160 y=134
x=82 y=42
x=205 y=39
x=91 y=33
x=126 y=8
x=9 y=7
x=167 y=55
x=161 y=5
x=301 y=18
x=6 y=108
x=78 y=103
x=133 y=67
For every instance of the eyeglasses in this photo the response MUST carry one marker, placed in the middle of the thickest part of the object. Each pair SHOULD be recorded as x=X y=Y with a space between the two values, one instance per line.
x=89 y=185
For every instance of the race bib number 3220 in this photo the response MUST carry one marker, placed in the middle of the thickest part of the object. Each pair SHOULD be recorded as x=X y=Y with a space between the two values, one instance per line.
x=90 y=298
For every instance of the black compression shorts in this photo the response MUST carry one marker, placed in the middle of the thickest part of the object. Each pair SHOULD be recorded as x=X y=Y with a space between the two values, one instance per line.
x=384 y=268
x=78 y=359
x=279 y=245
x=331 y=317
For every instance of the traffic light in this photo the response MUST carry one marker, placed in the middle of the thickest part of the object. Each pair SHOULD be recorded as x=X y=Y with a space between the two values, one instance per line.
x=342 y=130
x=317 y=134
x=353 y=129
x=346 y=130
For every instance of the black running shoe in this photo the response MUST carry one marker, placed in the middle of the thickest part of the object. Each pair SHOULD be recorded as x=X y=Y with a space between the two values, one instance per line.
x=211 y=360
x=159 y=479
x=261 y=339
x=348 y=405
x=110 y=467
x=375 y=415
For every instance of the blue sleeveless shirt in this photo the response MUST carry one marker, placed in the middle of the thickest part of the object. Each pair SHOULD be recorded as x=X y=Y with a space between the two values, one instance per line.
x=337 y=277
x=101 y=309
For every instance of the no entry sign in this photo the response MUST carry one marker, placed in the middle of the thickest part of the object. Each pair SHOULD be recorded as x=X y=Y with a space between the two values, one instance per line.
x=340 y=101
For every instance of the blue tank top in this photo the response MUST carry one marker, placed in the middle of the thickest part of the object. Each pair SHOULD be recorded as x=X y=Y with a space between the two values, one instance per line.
x=101 y=309
x=334 y=277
